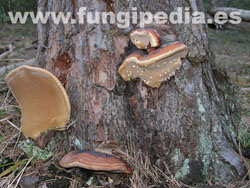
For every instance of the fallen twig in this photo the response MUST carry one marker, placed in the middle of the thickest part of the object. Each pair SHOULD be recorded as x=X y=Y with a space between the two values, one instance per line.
x=19 y=176
x=4 y=47
x=2 y=120
x=13 y=125
x=6 y=53
x=243 y=14
x=13 y=66
x=13 y=59
x=8 y=142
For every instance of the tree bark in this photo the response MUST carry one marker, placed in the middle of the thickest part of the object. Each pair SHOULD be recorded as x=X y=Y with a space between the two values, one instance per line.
x=189 y=122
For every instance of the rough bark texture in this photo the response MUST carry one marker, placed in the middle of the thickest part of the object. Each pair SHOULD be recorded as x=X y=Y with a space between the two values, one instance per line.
x=188 y=122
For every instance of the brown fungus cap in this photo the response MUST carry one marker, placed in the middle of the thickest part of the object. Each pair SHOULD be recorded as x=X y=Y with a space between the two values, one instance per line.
x=42 y=98
x=156 y=67
x=145 y=38
x=96 y=161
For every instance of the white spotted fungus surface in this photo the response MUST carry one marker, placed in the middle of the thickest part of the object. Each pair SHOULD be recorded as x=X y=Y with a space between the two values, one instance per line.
x=156 y=67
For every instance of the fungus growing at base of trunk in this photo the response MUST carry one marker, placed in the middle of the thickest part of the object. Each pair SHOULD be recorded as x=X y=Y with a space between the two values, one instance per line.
x=93 y=160
x=156 y=67
x=145 y=38
x=44 y=102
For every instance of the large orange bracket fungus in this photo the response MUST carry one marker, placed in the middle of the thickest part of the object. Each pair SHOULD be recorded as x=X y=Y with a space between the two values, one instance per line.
x=44 y=102
x=156 y=66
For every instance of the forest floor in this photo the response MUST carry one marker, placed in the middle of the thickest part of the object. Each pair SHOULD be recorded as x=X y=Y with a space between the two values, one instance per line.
x=20 y=160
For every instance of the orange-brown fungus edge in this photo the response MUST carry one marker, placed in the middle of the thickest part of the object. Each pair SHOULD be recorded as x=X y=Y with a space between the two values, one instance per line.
x=156 y=67
x=96 y=161
x=145 y=38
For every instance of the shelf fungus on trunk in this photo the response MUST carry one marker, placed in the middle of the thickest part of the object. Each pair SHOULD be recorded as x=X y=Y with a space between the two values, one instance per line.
x=93 y=160
x=44 y=102
x=145 y=38
x=155 y=67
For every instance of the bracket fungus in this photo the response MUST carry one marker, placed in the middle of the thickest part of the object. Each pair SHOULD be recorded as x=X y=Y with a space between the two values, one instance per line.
x=44 y=102
x=93 y=160
x=145 y=38
x=155 y=67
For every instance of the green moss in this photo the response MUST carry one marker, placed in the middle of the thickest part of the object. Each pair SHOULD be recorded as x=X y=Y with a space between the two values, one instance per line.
x=90 y=181
x=232 y=131
x=32 y=150
x=206 y=148
x=176 y=157
x=215 y=129
x=200 y=106
x=76 y=142
x=184 y=171
x=208 y=156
